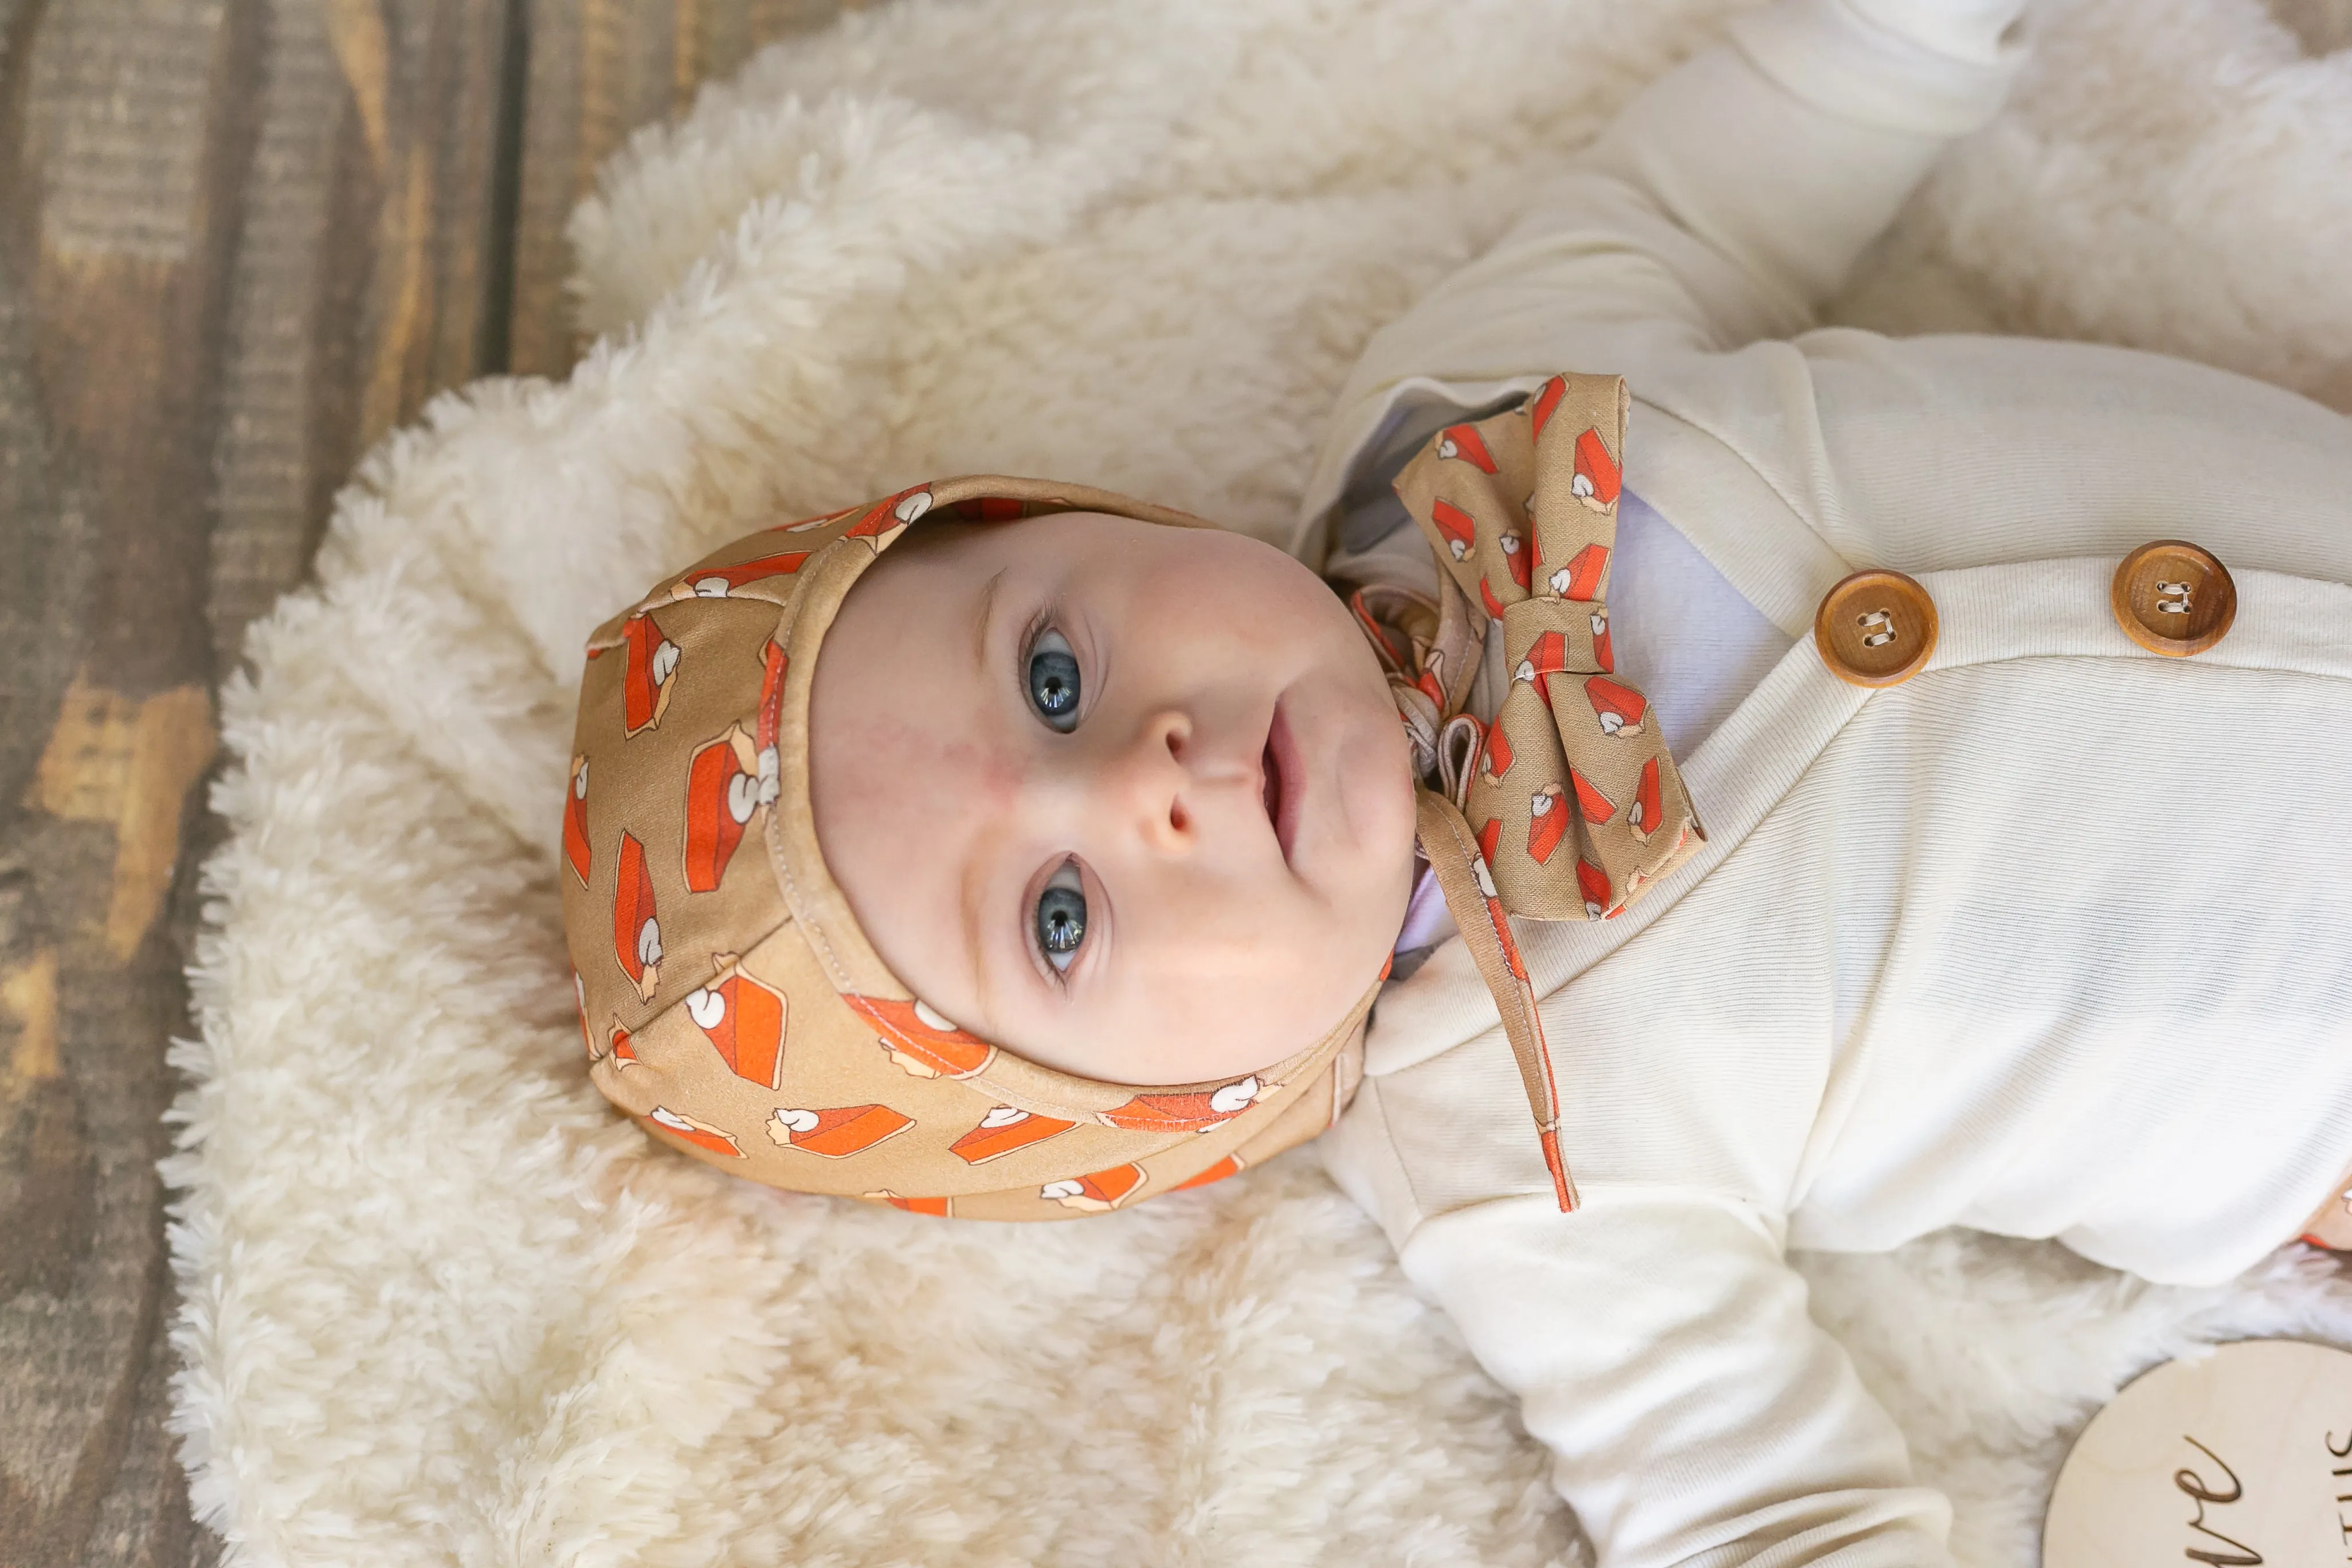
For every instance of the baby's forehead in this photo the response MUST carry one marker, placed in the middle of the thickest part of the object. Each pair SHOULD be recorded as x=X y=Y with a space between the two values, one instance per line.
x=965 y=573
x=1054 y=535
x=907 y=674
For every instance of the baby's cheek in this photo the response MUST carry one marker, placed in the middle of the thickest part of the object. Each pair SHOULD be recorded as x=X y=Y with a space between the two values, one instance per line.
x=1261 y=985
x=1376 y=786
x=1326 y=957
x=987 y=775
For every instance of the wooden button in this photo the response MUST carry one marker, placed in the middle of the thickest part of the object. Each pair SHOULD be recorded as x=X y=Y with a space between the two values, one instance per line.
x=2173 y=598
x=1875 y=628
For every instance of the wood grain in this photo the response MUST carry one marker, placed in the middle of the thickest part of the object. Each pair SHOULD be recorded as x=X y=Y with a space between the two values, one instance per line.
x=239 y=241
x=371 y=270
x=113 y=244
x=599 y=69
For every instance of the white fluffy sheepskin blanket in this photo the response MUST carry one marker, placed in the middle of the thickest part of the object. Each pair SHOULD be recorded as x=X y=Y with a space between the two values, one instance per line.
x=442 y=1307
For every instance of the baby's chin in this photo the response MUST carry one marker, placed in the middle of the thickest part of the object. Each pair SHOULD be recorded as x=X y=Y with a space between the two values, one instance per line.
x=1219 y=1031
x=1377 y=798
x=1360 y=858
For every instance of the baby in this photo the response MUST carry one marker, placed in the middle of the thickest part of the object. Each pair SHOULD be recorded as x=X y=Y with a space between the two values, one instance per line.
x=1840 y=786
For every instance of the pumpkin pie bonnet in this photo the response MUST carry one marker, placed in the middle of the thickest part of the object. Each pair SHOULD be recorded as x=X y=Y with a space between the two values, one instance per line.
x=729 y=1001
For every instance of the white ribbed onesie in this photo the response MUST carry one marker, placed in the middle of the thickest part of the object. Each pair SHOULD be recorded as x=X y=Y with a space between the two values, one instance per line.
x=2053 y=939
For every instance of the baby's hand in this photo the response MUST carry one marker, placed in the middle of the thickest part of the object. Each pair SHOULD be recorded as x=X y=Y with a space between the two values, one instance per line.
x=2331 y=1228
x=1964 y=29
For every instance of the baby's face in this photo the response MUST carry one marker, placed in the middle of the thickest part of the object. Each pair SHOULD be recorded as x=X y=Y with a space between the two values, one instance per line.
x=1130 y=800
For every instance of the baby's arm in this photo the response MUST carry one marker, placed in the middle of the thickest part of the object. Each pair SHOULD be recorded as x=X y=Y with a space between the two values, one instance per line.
x=1715 y=213
x=1661 y=1348
x=1777 y=160
x=1656 y=1341
x=1724 y=202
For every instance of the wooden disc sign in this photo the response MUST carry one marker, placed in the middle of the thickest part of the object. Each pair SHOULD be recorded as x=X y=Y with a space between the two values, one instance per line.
x=2242 y=1459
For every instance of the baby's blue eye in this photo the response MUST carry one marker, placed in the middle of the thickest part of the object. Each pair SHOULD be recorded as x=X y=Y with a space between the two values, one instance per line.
x=1054 y=681
x=1062 y=916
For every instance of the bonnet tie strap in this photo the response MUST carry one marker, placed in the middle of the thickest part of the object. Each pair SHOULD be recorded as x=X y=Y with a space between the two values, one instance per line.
x=1469 y=890
x=1571 y=806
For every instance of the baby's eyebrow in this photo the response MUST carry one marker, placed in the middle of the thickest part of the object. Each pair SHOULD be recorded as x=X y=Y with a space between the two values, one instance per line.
x=981 y=613
x=975 y=879
x=975 y=885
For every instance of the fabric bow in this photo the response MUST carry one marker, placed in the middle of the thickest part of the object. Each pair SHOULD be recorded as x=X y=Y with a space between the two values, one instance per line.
x=1567 y=805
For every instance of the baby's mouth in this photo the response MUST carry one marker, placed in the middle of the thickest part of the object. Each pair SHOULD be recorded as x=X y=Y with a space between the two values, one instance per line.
x=1279 y=764
x=1270 y=777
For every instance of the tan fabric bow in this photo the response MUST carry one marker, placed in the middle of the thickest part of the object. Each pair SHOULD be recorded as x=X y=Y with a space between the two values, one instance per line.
x=1567 y=805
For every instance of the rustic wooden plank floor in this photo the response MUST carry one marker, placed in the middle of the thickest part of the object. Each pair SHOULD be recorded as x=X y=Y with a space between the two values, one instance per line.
x=239 y=241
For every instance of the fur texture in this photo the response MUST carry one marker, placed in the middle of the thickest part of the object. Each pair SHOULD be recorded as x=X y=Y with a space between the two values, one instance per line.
x=441 y=1306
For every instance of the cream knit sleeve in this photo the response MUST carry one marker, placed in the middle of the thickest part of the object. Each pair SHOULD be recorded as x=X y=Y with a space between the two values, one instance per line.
x=1659 y=1346
x=1656 y=1340
x=1722 y=205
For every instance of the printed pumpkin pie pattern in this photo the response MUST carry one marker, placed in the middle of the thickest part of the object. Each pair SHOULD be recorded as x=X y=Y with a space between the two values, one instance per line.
x=636 y=925
x=649 y=670
x=1577 y=803
x=1194 y=1112
x=1004 y=1130
x=919 y=1040
x=732 y=1033
x=743 y=1019
x=577 y=853
x=1096 y=1192
x=720 y=582
x=836 y=1133
x=701 y=1135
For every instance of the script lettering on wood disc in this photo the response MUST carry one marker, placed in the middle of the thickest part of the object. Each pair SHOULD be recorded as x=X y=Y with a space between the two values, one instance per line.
x=2240 y=1460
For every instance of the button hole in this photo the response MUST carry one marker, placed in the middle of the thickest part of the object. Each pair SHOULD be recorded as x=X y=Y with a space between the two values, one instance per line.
x=1878 y=628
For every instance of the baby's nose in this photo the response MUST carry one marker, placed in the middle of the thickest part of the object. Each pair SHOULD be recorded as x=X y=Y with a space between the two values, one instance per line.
x=1151 y=777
